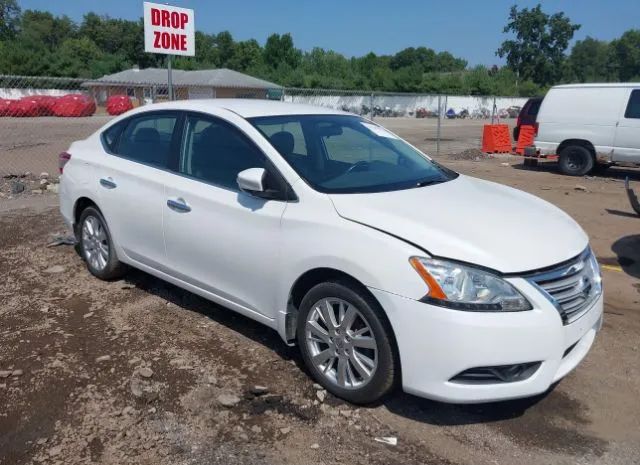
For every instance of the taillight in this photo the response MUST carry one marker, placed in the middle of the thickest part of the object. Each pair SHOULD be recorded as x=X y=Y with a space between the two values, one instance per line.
x=63 y=158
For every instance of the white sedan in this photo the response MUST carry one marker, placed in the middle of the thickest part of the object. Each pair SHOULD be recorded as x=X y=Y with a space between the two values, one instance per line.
x=383 y=266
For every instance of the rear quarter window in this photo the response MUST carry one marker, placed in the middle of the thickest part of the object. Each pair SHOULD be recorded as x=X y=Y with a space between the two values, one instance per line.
x=111 y=136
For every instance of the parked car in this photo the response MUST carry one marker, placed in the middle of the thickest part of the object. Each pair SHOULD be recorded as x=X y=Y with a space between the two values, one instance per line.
x=527 y=115
x=590 y=126
x=383 y=266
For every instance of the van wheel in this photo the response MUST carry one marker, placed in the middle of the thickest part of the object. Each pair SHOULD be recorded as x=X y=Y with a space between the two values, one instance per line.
x=96 y=246
x=576 y=160
x=346 y=342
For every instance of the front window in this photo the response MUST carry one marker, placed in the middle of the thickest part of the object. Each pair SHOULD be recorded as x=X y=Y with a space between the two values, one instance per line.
x=347 y=154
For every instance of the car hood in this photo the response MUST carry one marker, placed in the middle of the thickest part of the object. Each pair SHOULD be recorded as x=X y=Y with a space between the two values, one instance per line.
x=471 y=220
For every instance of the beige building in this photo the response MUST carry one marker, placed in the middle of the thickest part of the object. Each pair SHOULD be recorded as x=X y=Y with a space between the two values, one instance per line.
x=150 y=85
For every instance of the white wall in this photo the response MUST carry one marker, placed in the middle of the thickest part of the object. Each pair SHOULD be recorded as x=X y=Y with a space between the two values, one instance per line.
x=18 y=93
x=404 y=104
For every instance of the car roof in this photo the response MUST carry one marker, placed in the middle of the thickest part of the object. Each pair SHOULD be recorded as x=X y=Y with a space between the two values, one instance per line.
x=247 y=108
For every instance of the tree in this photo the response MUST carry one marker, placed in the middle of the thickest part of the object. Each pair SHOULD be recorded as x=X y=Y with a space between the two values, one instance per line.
x=537 y=51
x=279 y=50
x=9 y=18
x=591 y=61
x=626 y=55
x=247 y=54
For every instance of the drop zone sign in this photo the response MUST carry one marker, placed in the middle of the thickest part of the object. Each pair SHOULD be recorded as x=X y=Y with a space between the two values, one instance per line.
x=168 y=30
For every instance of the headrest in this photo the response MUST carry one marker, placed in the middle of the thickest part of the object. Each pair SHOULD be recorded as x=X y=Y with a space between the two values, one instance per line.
x=147 y=135
x=283 y=142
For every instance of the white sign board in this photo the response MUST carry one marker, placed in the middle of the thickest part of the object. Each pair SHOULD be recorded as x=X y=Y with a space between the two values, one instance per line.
x=169 y=30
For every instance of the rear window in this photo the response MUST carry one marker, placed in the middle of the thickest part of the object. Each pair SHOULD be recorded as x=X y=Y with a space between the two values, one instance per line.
x=144 y=139
x=534 y=107
x=633 y=107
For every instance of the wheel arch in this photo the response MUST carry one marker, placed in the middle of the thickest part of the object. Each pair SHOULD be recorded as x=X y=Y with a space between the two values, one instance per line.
x=310 y=278
x=80 y=205
x=580 y=142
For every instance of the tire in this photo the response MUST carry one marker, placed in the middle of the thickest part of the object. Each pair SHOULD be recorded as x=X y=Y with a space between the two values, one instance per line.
x=369 y=374
x=97 y=248
x=576 y=160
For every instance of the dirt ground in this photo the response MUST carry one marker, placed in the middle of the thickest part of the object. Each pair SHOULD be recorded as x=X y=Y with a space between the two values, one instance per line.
x=138 y=371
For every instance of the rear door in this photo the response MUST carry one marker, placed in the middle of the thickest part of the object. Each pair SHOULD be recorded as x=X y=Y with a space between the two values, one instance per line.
x=131 y=179
x=218 y=238
x=627 y=140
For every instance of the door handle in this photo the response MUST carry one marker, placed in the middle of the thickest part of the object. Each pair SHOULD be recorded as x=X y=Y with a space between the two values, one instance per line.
x=108 y=183
x=178 y=205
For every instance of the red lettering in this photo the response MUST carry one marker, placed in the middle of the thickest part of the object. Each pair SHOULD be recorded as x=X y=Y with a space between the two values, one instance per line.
x=175 y=41
x=166 y=40
x=166 y=21
x=183 y=42
x=175 y=20
x=184 y=19
x=156 y=40
x=155 y=16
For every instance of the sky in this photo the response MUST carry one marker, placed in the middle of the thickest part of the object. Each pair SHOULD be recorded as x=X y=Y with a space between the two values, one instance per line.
x=466 y=28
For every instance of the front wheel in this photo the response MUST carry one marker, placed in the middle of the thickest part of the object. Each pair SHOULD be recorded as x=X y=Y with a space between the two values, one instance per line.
x=576 y=160
x=346 y=342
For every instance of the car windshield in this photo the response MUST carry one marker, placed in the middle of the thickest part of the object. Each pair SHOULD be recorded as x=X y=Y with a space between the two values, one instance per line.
x=347 y=154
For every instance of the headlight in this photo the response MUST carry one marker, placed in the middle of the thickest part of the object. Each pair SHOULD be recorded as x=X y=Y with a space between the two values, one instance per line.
x=461 y=287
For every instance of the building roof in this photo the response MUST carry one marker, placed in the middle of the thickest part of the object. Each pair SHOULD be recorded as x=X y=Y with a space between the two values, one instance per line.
x=247 y=108
x=222 y=77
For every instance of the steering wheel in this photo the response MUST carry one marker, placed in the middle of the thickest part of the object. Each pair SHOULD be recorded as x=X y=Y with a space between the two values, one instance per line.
x=360 y=164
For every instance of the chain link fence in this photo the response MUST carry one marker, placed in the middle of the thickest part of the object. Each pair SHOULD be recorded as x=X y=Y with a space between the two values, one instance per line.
x=41 y=116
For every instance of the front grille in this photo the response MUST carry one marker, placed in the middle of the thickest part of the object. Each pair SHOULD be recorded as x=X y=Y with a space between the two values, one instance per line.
x=571 y=287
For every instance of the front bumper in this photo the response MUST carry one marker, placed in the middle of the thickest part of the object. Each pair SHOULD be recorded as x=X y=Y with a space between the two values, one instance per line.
x=436 y=344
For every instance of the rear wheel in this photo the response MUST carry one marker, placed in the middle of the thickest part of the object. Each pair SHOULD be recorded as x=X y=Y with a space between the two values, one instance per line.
x=576 y=160
x=96 y=246
x=346 y=342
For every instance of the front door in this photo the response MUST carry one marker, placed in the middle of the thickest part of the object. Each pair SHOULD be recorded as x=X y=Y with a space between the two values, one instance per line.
x=219 y=238
x=627 y=141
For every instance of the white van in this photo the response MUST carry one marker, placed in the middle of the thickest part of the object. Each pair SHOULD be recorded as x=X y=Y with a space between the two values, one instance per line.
x=590 y=126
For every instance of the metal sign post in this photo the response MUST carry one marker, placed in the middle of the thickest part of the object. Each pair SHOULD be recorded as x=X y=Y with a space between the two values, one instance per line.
x=169 y=78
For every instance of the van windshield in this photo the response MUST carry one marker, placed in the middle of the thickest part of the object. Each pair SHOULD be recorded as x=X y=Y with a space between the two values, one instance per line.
x=347 y=154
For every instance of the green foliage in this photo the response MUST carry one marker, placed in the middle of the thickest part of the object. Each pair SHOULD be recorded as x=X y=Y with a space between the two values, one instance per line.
x=591 y=60
x=37 y=43
x=9 y=18
x=626 y=51
x=536 y=52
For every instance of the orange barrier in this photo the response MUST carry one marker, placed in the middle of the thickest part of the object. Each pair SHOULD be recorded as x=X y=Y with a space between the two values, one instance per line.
x=496 y=138
x=525 y=138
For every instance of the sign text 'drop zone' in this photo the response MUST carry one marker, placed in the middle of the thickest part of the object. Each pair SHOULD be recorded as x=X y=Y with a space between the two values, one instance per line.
x=168 y=29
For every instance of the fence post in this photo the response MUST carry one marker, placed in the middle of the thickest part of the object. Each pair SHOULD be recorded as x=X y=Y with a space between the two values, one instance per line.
x=439 y=124
x=494 y=110
x=371 y=106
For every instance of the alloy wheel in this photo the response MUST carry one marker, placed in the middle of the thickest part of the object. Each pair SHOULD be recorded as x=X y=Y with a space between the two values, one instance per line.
x=95 y=243
x=341 y=344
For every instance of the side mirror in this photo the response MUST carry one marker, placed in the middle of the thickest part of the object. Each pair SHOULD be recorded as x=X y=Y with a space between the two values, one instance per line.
x=252 y=180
